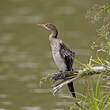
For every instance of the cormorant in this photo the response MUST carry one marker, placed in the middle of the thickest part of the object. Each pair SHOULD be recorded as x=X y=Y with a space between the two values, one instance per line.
x=62 y=55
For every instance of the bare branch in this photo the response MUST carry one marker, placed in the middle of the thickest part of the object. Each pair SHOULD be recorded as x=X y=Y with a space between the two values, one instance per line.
x=76 y=75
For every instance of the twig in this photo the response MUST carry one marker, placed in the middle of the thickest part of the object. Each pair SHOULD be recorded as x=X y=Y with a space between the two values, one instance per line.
x=58 y=86
x=94 y=70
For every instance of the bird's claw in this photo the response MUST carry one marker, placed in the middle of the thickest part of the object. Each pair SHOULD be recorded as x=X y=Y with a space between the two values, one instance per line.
x=58 y=76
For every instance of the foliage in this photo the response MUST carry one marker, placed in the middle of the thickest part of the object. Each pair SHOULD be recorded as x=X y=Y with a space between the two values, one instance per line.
x=99 y=15
x=95 y=99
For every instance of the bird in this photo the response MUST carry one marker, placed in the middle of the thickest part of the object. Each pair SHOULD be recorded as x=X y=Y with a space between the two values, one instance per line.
x=62 y=55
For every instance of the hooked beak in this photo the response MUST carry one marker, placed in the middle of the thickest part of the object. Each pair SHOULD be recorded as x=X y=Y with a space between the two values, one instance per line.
x=41 y=25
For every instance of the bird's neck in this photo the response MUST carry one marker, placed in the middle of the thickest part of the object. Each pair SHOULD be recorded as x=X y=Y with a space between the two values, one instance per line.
x=53 y=34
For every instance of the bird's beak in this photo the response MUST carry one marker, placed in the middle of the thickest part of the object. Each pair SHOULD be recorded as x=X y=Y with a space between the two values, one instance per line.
x=41 y=25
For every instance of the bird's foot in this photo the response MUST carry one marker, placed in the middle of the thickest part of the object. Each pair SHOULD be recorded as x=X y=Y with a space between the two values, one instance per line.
x=58 y=76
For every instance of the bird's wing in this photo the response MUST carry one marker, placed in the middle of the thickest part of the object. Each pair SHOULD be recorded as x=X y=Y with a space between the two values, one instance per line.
x=67 y=54
x=65 y=51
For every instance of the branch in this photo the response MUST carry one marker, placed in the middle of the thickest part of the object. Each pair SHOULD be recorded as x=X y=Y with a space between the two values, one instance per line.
x=76 y=75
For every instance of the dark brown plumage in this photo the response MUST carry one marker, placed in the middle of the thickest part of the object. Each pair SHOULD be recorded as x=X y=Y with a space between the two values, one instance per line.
x=62 y=55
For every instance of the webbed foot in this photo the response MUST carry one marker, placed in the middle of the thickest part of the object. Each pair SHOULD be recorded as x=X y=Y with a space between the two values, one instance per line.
x=58 y=76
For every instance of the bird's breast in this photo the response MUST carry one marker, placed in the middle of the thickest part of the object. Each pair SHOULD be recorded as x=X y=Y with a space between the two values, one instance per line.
x=59 y=61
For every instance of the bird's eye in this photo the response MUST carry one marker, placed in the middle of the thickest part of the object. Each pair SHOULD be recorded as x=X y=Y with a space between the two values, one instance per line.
x=46 y=24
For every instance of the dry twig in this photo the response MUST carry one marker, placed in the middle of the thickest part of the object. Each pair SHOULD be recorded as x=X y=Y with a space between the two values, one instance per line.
x=76 y=75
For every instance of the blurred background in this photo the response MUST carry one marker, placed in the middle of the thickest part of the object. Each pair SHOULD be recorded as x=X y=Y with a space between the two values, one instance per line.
x=25 y=54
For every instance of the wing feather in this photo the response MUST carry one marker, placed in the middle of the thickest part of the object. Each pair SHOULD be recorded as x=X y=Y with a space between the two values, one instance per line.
x=67 y=54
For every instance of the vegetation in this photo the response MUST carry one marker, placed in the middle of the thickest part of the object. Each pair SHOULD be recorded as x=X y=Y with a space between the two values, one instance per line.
x=98 y=98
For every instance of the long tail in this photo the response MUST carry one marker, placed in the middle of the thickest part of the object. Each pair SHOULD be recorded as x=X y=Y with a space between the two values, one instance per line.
x=71 y=88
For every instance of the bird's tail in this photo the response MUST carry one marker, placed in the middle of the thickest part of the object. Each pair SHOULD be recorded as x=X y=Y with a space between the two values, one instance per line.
x=71 y=88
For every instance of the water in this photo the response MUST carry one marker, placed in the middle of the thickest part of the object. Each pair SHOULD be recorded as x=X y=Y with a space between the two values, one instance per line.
x=25 y=53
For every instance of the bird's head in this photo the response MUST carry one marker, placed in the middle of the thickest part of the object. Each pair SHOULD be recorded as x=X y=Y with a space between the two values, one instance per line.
x=49 y=27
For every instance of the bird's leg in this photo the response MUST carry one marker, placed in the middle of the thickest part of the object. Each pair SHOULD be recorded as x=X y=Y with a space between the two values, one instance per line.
x=60 y=75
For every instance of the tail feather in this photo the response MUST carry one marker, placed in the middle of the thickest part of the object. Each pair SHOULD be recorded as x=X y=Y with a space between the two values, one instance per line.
x=71 y=88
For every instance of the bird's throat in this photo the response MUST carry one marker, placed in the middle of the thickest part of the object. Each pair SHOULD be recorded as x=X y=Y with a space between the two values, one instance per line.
x=53 y=34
